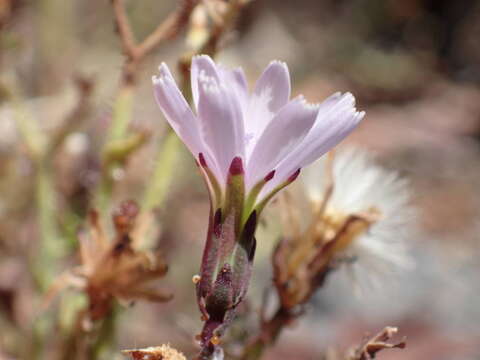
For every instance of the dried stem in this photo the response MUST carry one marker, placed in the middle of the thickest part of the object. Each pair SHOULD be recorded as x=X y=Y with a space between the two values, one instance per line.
x=269 y=333
x=371 y=346
x=124 y=29
x=136 y=52
x=169 y=28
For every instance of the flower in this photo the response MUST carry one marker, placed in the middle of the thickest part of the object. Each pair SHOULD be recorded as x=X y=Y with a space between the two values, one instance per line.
x=361 y=217
x=248 y=146
x=273 y=135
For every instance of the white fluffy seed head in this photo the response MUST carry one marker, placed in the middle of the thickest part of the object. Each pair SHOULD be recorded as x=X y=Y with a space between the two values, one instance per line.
x=360 y=185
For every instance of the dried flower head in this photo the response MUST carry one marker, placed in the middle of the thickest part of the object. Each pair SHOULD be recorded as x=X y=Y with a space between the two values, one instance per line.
x=360 y=217
x=164 y=352
x=114 y=269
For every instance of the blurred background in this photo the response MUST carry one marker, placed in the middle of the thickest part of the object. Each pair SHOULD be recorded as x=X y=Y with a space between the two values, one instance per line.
x=414 y=67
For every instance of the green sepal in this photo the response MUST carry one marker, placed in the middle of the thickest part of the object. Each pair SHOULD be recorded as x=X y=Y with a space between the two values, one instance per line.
x=260 y=206
x=235 y=193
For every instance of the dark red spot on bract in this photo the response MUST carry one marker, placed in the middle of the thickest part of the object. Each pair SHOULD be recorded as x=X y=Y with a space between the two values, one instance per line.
x=269 y=176
x=201 y=160
x=294 y=175
x=236 y=167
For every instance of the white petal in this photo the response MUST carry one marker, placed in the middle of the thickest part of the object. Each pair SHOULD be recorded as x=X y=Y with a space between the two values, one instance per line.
x=237 y=80
x=336 y=118
x=272 y=91
x=176 y=110
x=275 y=80
x=283 y=134
x=334 y=122
x=202 y=67
x=220 y=114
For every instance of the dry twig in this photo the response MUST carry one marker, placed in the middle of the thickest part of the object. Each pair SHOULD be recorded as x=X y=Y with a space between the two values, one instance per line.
x=371 y=346
x=136 y=52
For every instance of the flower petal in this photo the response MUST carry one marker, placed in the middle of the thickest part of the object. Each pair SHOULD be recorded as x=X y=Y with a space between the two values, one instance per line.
x=237 y=80
x=272 y=92
x=336 y=118
x=221 y=119
x=275 y=81
x=202 y=67
x=282 y=135
x=176 y=110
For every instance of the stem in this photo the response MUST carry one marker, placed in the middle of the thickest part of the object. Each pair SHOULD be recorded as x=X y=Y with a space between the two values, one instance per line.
x=106 y=335
x=161 y=178
x=52 y=247
x=269 y=334
x=43 y=266
x=122 y=113
x=169 y=28
x=135 y=53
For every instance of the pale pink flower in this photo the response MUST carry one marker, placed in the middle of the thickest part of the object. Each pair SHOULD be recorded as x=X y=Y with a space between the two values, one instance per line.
x=249 y=146
x=271 y=133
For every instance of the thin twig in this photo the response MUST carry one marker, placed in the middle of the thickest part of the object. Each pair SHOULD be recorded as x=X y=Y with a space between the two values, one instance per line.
x=168 y=29
x=136 y=52
x=371 y=346
x=124 y=29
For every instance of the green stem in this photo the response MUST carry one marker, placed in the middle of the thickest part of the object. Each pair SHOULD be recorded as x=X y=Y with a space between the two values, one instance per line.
x=122 y=113
x=106 y=335
x=52 y=247
x=157 y=187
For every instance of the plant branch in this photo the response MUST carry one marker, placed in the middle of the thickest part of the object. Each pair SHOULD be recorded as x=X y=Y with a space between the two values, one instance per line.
x=124 y=29
x=169 y=28
x=269 y=333
x=371 y=346
x=136 y=52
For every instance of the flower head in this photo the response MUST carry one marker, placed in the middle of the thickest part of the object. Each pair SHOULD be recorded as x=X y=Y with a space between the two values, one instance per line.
x=248 y=146
x=360 y=217
x=272 y=135
x=364 y=188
